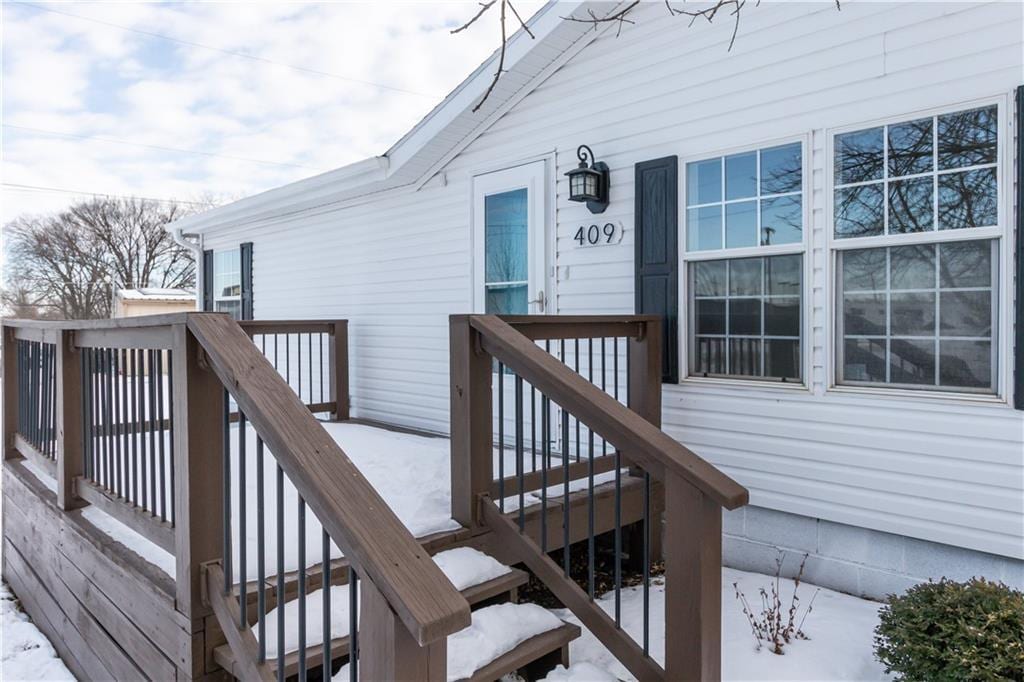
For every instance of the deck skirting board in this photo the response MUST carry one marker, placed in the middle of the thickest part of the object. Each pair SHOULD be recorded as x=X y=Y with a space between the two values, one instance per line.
x=108 y=613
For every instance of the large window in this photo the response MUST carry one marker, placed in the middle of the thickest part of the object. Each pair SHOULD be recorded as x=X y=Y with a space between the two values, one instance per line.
x=921 y=312
x=227 y=282
x=745 y=309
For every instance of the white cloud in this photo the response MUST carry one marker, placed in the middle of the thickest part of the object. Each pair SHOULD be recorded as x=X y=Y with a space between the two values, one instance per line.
x=70 y=75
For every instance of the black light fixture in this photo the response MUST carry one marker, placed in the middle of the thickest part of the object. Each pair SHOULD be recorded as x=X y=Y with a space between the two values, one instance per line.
x=589 y=181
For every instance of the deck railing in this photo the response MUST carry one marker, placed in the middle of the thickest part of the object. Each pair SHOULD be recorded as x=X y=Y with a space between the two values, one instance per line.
x=646 y=470
x=149 y=423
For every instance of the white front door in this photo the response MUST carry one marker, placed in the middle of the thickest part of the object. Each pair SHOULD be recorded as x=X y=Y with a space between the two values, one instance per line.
x=510 y=238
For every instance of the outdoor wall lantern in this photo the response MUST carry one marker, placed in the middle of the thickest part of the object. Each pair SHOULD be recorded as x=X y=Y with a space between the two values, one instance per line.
x=589 y=181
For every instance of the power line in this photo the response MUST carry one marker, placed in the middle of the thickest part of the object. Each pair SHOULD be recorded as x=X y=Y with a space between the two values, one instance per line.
x=231 y=53
x=157 y=147
x=60 y=190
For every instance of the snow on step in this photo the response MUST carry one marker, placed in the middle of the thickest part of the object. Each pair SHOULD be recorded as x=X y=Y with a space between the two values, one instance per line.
x=579 y=672
x=495 y=630
x=463 y=566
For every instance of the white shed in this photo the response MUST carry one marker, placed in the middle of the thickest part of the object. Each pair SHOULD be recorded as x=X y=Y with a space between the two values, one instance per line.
x=834 y=256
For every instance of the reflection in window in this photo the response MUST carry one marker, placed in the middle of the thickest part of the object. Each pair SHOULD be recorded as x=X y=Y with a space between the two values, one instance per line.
x=919 y=315
x=227 y=282
x=746 y=318
x=936 y=173
x=745 y=200
x=505 y=253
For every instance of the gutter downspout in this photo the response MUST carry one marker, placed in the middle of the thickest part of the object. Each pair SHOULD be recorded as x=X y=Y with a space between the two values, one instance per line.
x=196 y=247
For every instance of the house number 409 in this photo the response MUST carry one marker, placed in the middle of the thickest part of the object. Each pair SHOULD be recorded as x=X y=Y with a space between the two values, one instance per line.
x=598 y=235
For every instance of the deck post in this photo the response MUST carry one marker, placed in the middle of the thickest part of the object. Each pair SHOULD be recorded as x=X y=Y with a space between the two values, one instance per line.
x=10 y=392
x=388 y=651
x=693 y=583
x=68 y=419
x=471 y=414
x=338 y=358
x=645 y=372
x=198 y=471
x=645 y=399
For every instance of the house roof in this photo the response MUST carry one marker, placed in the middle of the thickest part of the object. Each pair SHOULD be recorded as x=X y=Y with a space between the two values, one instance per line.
x=156 y=294
x=441 y=134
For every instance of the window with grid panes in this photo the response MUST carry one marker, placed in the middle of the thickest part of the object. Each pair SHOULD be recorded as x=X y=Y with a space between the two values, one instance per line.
x=921 y=312
x=745 y=309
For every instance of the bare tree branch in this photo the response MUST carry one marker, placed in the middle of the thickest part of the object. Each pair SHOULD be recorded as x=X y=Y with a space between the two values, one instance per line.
x=484 y=6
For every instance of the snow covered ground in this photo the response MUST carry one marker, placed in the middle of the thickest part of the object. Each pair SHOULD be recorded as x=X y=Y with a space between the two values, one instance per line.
x=840 y=629
x=25 y=653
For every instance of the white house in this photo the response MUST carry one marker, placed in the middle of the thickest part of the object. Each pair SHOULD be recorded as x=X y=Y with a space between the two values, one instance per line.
x=826 y=216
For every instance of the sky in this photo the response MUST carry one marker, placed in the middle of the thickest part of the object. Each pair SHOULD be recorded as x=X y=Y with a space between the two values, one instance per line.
x=218 y=100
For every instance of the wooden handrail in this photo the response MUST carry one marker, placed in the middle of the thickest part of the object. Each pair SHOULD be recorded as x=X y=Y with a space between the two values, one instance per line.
x=637 y=438
x=358 y=520
x=541 y=327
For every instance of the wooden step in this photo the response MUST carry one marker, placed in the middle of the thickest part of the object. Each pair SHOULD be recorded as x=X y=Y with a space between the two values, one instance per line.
x=508 y=583
x=553 y=644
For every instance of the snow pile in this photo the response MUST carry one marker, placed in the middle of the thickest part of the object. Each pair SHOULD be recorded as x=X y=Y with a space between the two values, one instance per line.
x=840 y=630
x=495 y=630
x=25 y=653
x=463 y=566
x=579 y=672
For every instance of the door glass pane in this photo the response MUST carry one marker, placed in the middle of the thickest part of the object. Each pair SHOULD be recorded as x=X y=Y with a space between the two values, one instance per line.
x=505 y=237
x=505 y=299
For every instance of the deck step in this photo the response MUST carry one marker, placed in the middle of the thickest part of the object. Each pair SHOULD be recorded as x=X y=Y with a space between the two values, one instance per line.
x=475 y=593
x=544 y=639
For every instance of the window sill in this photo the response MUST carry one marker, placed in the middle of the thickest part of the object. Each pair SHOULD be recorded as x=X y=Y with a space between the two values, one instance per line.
x=721 y=382
x=904 y=394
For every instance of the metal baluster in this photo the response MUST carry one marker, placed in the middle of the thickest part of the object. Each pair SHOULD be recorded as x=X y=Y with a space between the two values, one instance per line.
x=545 y=462
x=226 y=457
x=533 y=427
x=115 y=374
x=153 y=426
x=326 y=585
x=309 y=341
x=108 y=416
x=287 y=359
x=519 y=451
x=170 y=401
x=647 y=563
x=140 y=390
x=159 y=355
x=126 y=431
x=85 y=411
x=618 y=498
x=576 y=361
x=321 y=337
x=604 y=389
x=275 y=354
x=565 y=490
x=590 y=485
x=44 y=400
x=302 y=586
x=501 y=437
x=261 y=548
x=280 y=573
x=298 y=362
x=353 y=625
x=243 y=574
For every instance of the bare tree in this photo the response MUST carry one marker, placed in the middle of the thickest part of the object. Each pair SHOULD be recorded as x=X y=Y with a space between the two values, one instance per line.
x=67 y=265
x=621 y=16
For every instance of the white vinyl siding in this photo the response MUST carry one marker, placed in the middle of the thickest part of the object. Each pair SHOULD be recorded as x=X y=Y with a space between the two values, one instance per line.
x=947 y=469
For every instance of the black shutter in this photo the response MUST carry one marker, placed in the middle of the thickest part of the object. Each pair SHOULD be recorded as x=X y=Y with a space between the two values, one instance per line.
x=208 y=279
x=1018 y=346
x=246 y=249
x=657 y=253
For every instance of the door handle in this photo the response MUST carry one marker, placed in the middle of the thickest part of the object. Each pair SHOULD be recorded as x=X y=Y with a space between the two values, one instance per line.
x=539 y=301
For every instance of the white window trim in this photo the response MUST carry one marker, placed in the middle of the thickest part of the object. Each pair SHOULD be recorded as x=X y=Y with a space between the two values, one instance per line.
x=1003 y=232
x=803 y=248
x=217 y=296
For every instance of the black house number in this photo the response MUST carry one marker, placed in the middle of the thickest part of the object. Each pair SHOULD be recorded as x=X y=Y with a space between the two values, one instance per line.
x=596 y=235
